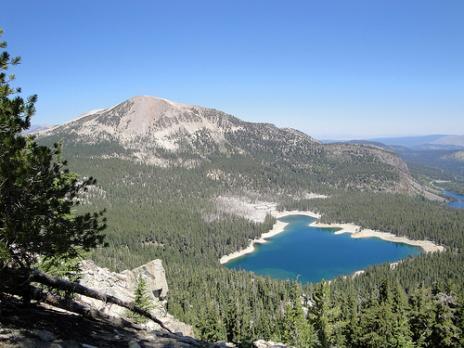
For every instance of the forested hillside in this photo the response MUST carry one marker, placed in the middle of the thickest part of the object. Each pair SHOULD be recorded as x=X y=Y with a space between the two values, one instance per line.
x=165 y=208
x=168 y=213
x=437 y=164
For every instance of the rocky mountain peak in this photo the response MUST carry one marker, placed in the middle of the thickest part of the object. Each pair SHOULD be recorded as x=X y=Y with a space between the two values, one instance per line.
x=152 y=108
x=147 y=127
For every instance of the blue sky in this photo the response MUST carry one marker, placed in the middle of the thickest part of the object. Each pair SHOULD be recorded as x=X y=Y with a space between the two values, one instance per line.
x=334 y=69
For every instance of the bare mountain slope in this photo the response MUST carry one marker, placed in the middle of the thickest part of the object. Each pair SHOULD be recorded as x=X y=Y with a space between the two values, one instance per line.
x=148 y=127
x=159 y=132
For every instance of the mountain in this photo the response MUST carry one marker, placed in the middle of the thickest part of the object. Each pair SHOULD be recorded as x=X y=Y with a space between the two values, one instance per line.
x=425 y=142
x=151 y=129
x=358 y=142
x=457 y=156
x=435 y=156
x=159 y=132
x=34 y=128
x=450 y=140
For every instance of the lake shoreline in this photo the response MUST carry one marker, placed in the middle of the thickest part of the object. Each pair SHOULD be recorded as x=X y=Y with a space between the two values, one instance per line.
x=355 y=231
x=278 y=228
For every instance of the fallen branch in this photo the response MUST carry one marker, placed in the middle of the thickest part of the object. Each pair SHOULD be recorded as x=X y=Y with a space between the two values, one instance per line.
x=76 y=307
x=65 y=285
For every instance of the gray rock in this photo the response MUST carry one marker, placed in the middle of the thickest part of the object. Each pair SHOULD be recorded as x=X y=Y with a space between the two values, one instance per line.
x=268 y=344
x=85 y=345
x=134 y=344
x=69 y=344
x=154 y=271
x=56 y=345
x=122 y=285
x=223 y=344
x=45 y=335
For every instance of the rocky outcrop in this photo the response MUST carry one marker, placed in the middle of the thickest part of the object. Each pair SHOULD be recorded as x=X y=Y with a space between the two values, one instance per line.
x=122 y=285
x=45 y=326
x=268 y=344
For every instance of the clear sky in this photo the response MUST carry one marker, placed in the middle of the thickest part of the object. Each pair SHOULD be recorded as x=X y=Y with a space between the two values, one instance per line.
x=333 y=69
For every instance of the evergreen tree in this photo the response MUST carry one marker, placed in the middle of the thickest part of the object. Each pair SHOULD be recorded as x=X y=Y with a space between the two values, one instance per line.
x=444 y=331
x=460 y=319
x=142 y=300
x=326 y=317
x=372 y=327
x=401 y=329
x=422 y=316
x=210 y=327
x=385 y=320
x=350 y=316
x=232 y=321
x=297 y=331
x=38 y=193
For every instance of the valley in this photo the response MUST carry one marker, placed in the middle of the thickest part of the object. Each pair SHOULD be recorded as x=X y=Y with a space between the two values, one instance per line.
x=231 y=174
x=190 y=204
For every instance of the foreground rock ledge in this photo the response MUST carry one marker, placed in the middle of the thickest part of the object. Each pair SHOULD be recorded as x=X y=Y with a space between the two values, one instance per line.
x=123 y=285
x=42 y=325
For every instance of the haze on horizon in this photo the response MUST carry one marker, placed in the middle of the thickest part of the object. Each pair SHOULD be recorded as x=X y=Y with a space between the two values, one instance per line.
x=333 y=69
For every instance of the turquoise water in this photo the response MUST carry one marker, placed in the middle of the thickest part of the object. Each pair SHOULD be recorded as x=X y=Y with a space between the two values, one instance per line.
x=457 y=199
x=311 y=254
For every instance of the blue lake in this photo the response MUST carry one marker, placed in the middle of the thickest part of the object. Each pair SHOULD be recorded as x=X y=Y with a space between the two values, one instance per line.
x=457 y=199
x=311 y=254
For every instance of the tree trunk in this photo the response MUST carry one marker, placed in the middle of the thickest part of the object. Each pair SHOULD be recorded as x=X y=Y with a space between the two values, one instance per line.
x=66 y=285
x=75 y=307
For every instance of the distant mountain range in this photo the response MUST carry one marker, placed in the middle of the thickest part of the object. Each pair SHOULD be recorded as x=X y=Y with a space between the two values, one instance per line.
x=439 y=156
x=424 y=142
x=37 y=128
x=438 y=141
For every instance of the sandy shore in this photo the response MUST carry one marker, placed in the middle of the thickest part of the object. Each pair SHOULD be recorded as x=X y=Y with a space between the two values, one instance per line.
x=256 y=210
x=354 y=230
x=278 y=227
x=358 y=232
x=280 y=214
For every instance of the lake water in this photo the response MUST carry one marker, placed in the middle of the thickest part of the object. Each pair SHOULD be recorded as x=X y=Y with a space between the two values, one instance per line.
x=311 y=254
x=458 y=200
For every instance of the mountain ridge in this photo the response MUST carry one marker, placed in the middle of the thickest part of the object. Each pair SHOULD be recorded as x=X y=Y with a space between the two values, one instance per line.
x=157 y=131
x=150 y=127
x=432 y=141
